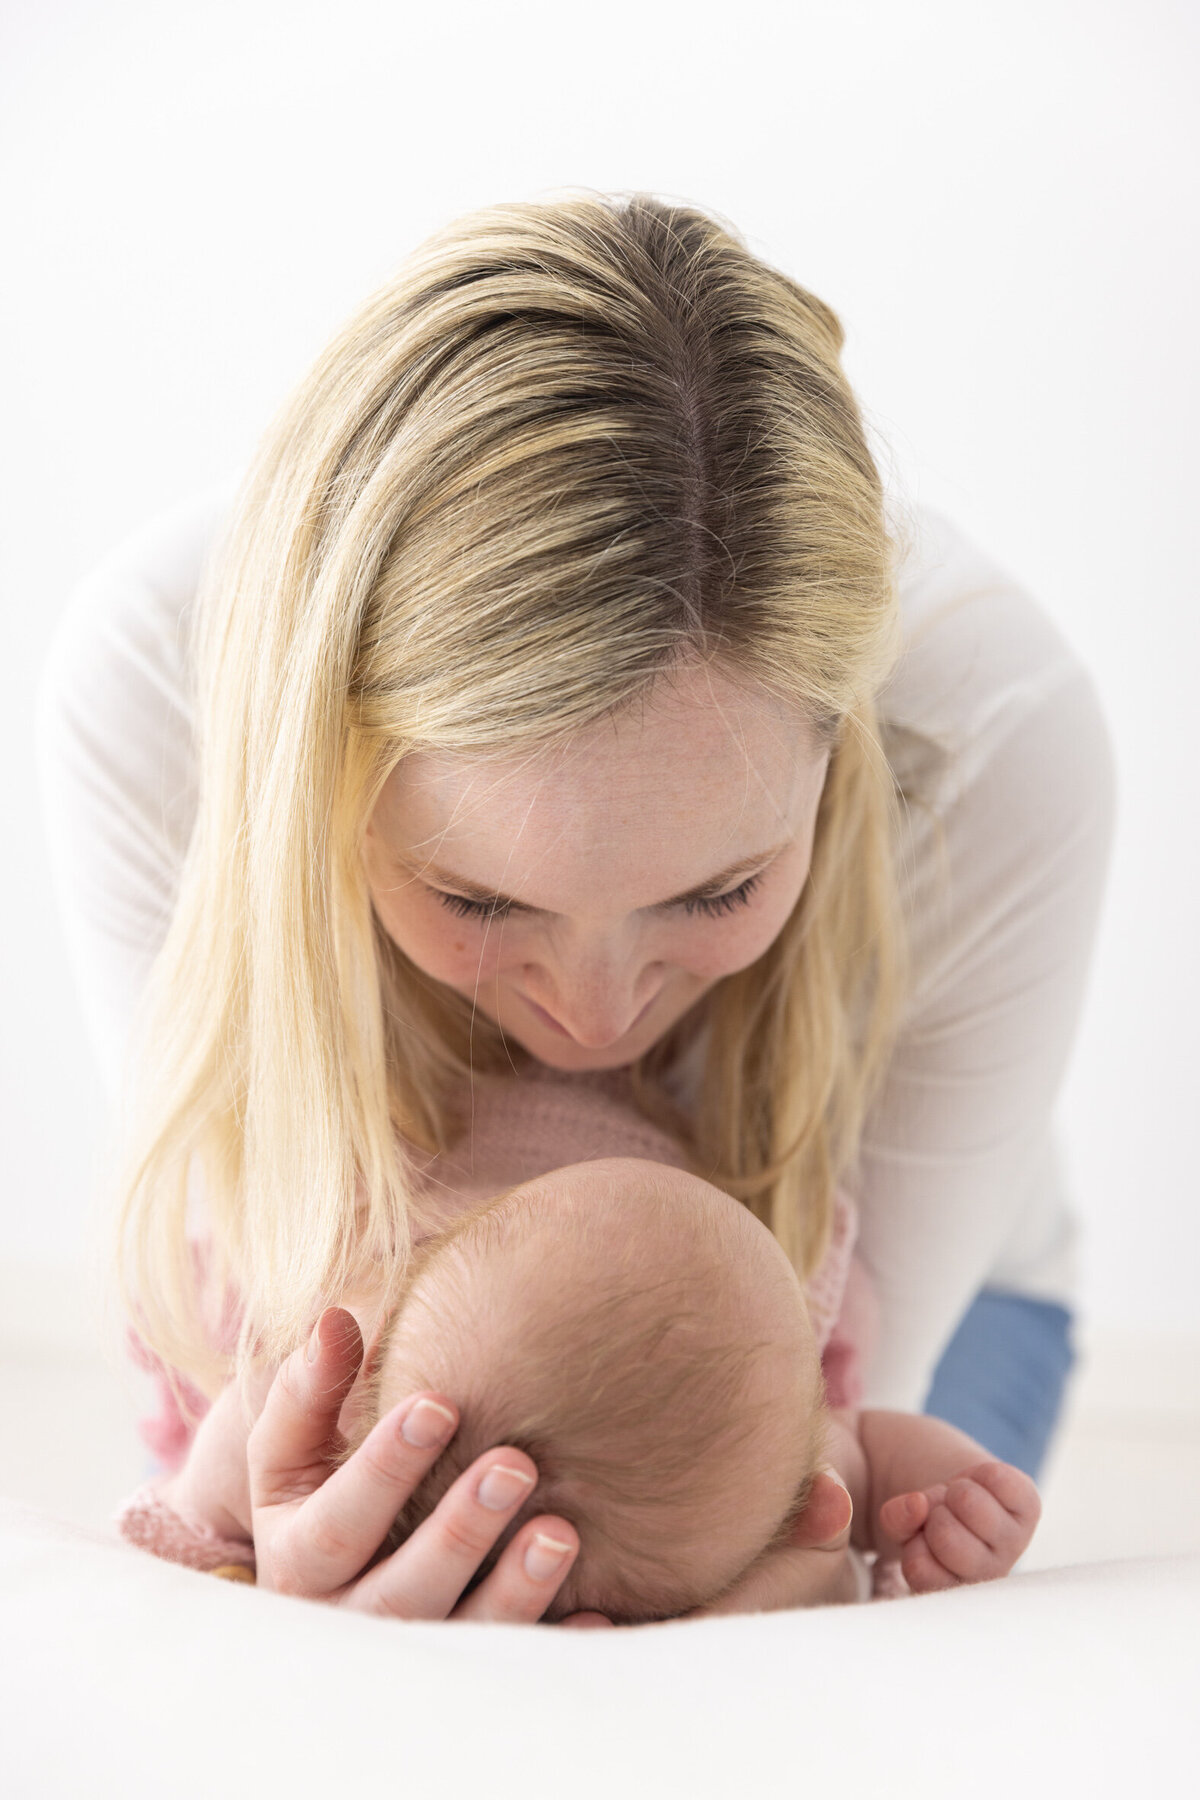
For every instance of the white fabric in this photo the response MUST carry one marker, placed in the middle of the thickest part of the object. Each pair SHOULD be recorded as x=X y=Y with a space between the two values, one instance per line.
x=990 y=717
x=130 y=1679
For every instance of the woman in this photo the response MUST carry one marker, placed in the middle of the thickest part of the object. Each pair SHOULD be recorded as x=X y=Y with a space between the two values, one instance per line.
x=570 y=706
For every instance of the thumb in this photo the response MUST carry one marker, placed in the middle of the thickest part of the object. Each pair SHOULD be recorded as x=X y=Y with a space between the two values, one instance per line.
x=336 y=1344
x=298 y=1422
x=825 y=1521
x=900 y=1518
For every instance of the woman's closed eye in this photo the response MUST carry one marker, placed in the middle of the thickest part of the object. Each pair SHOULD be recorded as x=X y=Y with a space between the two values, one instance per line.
x=472 y=909
x=710 y=905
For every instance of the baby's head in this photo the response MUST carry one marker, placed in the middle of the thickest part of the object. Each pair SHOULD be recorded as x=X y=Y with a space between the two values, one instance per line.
x=645 y=1340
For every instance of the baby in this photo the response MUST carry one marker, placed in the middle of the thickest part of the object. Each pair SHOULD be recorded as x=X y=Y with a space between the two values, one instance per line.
x=645 y=1340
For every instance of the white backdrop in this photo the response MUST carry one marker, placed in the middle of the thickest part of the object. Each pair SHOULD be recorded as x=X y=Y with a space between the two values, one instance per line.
x=999 y=200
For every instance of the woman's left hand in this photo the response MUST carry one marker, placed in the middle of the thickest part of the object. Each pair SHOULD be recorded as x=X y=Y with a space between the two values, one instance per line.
x=811 y=1569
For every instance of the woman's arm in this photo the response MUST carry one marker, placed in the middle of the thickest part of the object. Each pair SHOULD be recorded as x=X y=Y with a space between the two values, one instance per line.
x=116 y=762
x=958 y=1182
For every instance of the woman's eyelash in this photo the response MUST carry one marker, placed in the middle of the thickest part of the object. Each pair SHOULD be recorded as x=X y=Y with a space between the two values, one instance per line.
x=472 y=909
x=724 y=903
x=712 y=907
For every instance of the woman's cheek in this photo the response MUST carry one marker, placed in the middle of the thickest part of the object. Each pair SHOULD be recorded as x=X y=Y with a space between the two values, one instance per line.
x=723 y=946
x=456 y=951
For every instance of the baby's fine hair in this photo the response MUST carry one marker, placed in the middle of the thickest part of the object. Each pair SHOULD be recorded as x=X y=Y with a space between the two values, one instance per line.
x=636 y=1402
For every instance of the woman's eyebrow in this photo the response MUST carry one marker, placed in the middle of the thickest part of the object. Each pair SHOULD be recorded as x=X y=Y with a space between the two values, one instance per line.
x=706 y=889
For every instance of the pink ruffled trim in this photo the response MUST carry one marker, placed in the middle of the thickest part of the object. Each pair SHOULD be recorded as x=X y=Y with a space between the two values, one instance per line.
x=144 y=1519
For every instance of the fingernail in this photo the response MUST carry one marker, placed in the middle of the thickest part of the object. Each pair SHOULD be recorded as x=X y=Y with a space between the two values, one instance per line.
x=426 y=1424
x=501 y=1486
x=314 y=1342
x=545 y=1556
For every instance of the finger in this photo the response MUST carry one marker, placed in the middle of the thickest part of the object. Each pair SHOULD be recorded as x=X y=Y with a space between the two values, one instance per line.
x=587 y=1621
x=324 y=1543
x=289 y=1445
x=921 y=1569
x=1015 y=1490
x=890 y=1543
x=425 y=1577
x=900 y=1518
x=956 y=1548
x=983 y=1515
x=527 y=1576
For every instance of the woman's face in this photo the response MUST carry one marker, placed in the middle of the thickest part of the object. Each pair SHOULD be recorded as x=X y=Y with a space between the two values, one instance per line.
x=584 y=899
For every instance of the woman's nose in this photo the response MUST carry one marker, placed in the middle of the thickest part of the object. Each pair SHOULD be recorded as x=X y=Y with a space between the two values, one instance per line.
x=596 y=1005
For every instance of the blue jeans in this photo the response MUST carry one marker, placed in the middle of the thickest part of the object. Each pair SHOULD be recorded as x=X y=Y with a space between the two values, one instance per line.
x=1003 y=1375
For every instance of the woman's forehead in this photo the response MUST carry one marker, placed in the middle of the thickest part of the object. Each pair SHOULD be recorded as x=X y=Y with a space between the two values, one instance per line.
x=697 y=722
x=699 y=776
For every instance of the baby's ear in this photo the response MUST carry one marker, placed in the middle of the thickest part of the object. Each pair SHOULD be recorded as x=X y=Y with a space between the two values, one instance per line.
x=826 y=1516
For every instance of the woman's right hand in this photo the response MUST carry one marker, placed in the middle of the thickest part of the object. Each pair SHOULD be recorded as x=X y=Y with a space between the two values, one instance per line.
x=315 y=1531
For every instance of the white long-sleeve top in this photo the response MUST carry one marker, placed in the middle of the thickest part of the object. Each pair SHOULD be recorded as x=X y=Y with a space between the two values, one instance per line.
x=990 y=716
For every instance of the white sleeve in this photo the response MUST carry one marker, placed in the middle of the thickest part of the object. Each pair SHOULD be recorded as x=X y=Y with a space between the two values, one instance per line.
x=959 y=1179
x=116 y=766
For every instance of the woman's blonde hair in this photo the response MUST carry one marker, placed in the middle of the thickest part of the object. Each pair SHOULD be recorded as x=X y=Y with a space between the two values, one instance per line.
x=570 y=443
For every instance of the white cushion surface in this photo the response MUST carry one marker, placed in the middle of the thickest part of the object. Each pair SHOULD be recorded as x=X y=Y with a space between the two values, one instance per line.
x=125 y=1676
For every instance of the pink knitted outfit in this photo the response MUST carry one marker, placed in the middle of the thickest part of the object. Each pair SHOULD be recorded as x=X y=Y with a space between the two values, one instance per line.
x=519 y=1129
